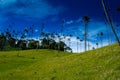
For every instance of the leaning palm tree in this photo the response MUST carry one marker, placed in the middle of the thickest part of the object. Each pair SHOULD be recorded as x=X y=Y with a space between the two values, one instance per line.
x=118 y=9
x=86 y=20
x=109 y=21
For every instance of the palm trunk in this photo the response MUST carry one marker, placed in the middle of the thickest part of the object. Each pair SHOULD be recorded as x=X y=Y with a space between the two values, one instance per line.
x=77 y=46
x=88 y=46
x=101 y=43
x=110 y=22
x=85 y=36
x=80 y=47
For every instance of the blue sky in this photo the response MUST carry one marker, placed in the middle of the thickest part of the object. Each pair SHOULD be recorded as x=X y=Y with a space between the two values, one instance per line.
x=20 y=14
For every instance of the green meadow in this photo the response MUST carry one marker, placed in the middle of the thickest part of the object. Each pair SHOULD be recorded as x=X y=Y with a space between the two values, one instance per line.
x=99 y=64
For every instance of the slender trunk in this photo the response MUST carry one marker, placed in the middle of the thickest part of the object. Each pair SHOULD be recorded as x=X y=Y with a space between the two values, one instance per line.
x=69 y=43
x=59 y=45
x=85 y=36
x=97 y=46
x=101 y=43
x=77 y=46
x=88 y=46
x=80 y=47
x=110 y=22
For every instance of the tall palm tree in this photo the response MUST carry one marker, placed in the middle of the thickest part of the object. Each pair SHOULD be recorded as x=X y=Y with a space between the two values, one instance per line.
x=62 y=27
x=42 y=26
x=26 y=31
x=86 y=20
x=31 y=31
x=109 y=21
x=52 y=36
x=59 y=38
x=77 y=42
x=61 y=34
x=81 y=45
x=97 y=45
x=42 y=31
x=101 y=34
x=89 y=46
x=69 y=40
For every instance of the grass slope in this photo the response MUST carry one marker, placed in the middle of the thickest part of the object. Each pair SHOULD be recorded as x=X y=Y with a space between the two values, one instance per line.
x=100 y=64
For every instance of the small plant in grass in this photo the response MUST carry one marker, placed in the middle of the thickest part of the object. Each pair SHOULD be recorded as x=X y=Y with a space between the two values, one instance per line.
x=32 y=57
x=53 y=78
x=54 y=71
x=4 y=56
x=35 y=72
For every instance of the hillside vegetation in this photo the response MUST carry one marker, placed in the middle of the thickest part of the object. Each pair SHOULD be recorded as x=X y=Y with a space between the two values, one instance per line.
x=100 y=64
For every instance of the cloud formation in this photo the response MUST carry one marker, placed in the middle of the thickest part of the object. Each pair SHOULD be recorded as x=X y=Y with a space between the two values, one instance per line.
x=28 y=8
x=70 y=22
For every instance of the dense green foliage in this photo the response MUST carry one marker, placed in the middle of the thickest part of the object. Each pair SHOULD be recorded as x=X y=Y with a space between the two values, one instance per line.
x=100 y=64
x=9 y=42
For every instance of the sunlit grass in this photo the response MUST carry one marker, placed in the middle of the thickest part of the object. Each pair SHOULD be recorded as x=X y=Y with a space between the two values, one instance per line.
x=100 y=64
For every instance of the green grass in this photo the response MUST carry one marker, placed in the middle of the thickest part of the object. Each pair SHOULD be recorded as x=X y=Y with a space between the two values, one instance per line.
x=100 y=64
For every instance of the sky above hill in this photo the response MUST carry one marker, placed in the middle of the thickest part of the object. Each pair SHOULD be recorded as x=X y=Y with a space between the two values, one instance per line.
x=19 y=14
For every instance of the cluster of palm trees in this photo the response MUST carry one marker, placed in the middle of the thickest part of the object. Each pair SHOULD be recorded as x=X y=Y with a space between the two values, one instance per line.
x=27 y=34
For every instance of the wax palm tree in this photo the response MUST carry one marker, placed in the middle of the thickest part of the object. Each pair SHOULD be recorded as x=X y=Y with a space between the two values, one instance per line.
x=81 y=44
x=42 y=30
x=52 y=36
x=42 y=26
x=60 y=36
x=101 y=35
x=77 y=42
x=110 y=21
x=97 y=45
x=69 y=40
x=31 y=30
x=86 y=20
x=89 y=46
x=26 y=31
x=62 y=27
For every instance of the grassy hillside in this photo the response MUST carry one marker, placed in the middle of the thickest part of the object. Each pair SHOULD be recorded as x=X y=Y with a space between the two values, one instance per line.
x=100 y=64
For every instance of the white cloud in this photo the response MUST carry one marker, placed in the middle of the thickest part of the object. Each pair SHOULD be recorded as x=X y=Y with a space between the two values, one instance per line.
x=36 y=30
x=70 y=22
x=73 y=44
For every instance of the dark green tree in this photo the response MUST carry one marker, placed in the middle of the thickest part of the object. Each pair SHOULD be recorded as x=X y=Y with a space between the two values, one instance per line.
x=2 y=41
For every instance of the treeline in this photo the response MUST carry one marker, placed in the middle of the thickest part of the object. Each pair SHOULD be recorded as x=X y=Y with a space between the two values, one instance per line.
x=13 y=41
